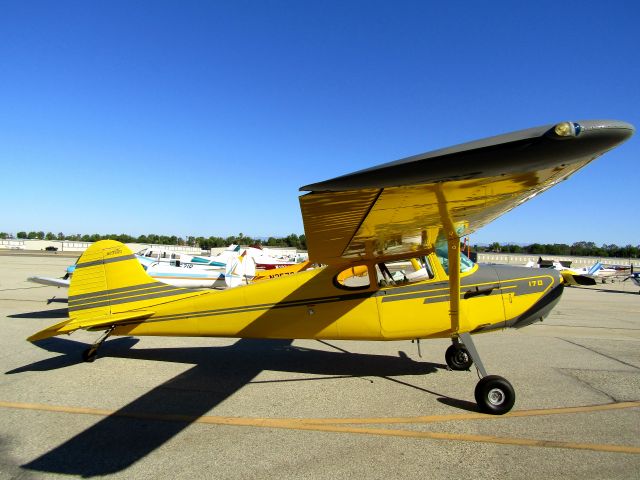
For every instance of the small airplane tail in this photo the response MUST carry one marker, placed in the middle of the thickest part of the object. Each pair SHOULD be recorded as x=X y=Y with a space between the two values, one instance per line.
x=110 y=287
x=595 y=269
x=241 y=269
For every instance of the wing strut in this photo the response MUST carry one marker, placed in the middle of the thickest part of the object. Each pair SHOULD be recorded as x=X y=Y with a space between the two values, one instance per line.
x=454 y=281
x=453 y=254
x=494 y=394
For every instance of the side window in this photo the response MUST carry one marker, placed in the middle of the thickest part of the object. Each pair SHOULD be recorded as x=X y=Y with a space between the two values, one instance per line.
x=465 y=263
x=404 y=271
x=353 y=278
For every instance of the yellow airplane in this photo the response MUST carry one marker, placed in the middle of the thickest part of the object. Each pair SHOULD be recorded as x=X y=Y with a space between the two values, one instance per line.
x=389 y=240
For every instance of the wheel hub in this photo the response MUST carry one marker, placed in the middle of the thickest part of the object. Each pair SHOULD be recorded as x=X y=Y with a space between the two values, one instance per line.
x=462 y=357
x=496 y=396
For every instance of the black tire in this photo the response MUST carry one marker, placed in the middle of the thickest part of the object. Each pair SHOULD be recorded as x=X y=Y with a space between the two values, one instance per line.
x=495 y=395
x=89 y=355
x=458 y=358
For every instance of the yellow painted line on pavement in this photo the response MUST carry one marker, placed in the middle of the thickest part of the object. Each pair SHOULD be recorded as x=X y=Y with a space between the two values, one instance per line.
x=333 y=425
x=470 y=438
x=476 y=416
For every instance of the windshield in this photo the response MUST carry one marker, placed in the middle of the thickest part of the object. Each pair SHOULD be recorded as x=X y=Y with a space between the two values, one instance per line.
x=465 y=263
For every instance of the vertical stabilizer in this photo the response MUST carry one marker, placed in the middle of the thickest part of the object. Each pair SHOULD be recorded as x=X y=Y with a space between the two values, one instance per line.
x=595 y=269
x=109 y=280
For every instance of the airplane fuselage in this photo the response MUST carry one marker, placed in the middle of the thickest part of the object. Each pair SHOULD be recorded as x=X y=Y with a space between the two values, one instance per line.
x=313 y=304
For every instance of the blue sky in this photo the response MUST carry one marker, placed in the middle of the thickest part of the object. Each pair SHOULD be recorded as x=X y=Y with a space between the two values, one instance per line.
x=204 y=118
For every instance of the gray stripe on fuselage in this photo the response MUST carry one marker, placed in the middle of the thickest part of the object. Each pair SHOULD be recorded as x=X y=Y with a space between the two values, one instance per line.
x=115 y=290
x=485 y=278
x=264 y=306
x=120 y=301
x=105 y=260
x=133 y=295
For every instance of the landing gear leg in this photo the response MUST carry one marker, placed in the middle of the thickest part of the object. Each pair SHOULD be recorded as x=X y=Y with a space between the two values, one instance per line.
x=494 y=394
x=90 y=354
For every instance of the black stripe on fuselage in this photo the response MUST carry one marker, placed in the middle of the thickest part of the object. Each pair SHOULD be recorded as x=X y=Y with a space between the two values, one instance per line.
x=263 y=306
x=432 y=293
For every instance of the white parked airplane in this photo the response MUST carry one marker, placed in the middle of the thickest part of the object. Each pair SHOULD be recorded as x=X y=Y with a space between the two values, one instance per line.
x=237 y=269
x=572 y=276
x=265 y=259
x=149 y=255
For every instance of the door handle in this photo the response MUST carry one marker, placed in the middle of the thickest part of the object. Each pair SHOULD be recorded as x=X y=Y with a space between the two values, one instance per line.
x=479 y=291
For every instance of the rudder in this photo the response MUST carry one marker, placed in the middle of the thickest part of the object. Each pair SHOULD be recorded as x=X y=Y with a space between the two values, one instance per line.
x=106 y=272
x=110 y=287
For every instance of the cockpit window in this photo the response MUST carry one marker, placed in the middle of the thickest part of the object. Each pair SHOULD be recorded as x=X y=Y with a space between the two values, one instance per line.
x=465 y=262
x=404 y=271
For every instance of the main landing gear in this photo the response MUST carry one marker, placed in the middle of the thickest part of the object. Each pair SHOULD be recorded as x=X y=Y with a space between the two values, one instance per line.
x=90 y=354
x=457 y=356
x=494 y=394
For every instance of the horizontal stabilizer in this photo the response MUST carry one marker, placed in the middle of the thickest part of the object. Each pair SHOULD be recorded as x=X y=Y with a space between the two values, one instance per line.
x=100 y=322
x=52 y=282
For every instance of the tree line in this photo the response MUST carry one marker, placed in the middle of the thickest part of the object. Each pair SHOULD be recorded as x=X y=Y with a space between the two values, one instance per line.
x=292 y=241
x=578 y=249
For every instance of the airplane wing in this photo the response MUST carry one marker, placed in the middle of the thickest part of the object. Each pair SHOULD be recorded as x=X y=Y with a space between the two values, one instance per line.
x=52 y=282
x=403 y=206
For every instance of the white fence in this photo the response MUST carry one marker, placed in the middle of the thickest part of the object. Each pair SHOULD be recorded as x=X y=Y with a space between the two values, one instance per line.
x=12 y=244
x=520 y=259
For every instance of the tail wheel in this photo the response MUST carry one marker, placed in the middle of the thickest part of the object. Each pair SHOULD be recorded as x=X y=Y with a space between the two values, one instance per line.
x=495 y=395
x=458 y=358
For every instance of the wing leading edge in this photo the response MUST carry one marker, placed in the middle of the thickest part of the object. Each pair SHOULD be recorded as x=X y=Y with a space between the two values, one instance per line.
x=402 y=206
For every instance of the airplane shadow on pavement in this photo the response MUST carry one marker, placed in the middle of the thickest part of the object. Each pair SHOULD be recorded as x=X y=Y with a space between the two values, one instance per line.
x=119 y=440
